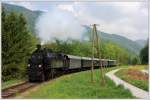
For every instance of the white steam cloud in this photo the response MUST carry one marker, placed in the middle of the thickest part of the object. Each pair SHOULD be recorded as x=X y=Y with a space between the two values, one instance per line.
x=58 y=24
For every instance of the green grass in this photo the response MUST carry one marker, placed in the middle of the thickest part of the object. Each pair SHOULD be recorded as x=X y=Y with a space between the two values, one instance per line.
x=11 y=82
x=143 y=84
x=78 y=85
x=139 y=67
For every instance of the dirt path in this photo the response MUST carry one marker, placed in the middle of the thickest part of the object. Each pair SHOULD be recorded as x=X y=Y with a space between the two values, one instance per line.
x=137 y=92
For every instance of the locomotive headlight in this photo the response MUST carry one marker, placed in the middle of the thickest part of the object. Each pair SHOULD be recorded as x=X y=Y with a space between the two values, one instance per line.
x=40 y=66
x=28 y=65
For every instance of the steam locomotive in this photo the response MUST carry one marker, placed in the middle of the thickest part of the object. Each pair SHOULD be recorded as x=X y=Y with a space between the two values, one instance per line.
x=44 y=64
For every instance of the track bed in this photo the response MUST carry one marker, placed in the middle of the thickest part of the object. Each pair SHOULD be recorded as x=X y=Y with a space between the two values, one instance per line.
x=11 y=91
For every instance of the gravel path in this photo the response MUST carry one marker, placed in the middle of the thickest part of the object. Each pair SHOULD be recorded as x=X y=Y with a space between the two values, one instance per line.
x=137 y=92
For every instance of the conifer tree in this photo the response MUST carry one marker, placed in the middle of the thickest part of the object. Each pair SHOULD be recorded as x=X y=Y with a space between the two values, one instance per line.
x=17 y=44
x=144 y=54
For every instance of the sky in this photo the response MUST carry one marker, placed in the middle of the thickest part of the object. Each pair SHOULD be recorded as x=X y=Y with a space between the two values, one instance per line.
x=129 y=19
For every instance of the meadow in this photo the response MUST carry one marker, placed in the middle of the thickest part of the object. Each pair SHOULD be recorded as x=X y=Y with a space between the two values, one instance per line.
x=78 y=85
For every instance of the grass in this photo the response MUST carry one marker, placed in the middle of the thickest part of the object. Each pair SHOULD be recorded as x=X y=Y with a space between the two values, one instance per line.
x=139 y=67
x=78 y=85
x=136 y=80
x=11 y=82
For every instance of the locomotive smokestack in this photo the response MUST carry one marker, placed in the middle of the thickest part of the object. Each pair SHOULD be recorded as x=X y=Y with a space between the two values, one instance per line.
x=38 y=46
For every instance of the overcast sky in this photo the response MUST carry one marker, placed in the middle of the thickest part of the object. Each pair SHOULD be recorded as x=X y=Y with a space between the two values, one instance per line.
x=129 y=19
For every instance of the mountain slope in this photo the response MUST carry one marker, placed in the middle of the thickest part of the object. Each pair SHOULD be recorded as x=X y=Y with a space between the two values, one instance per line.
x=141 y=42
x=123 y=42
x=30 y=16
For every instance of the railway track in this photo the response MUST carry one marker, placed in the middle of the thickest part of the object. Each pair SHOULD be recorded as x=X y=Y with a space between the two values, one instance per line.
x=13 y=90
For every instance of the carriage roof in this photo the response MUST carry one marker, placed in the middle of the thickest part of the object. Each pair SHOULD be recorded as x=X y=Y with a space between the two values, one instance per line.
x=86 y=58
x=73 y=57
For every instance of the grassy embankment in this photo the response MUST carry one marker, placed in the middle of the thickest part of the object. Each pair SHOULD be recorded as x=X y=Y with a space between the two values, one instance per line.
x=134 y=76
x=78 y=85
x=11 y=82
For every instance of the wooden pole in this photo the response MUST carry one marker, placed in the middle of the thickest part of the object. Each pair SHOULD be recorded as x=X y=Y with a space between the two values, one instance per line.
x=95 y=38
x=99 y=54
x=92 y=67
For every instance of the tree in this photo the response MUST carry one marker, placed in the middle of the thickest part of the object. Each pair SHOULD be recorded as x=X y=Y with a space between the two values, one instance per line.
x=135 y=60
x=17 y=44
x=144 y=54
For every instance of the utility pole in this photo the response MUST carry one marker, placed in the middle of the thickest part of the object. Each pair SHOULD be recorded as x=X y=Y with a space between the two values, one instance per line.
x=92 y=67
x=95 y=43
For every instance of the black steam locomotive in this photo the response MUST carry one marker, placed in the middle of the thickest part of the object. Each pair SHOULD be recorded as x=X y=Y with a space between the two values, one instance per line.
x=44 y=63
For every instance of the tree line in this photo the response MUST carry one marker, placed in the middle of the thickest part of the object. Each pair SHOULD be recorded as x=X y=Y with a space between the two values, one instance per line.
x=108 y=50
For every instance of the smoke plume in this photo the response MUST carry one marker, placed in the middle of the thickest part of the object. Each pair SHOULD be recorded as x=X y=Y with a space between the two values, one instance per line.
x=58 y=24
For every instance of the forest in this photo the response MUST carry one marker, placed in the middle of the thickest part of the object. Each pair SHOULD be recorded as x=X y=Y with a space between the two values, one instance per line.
x=18 y=43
